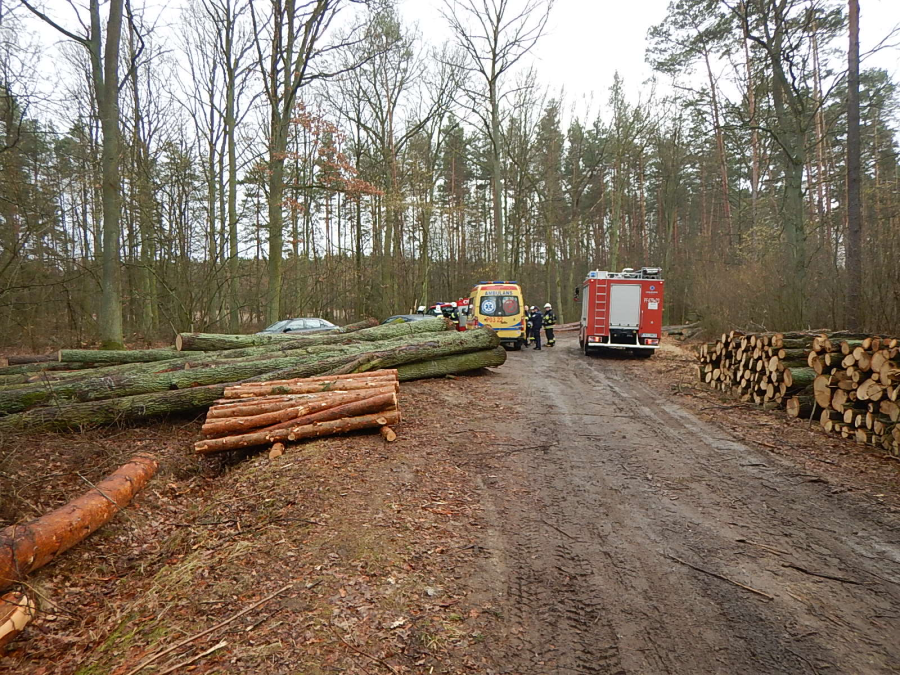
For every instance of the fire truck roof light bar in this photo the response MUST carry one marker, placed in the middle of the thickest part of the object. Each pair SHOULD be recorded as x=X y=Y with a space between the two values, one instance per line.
x=628 y=273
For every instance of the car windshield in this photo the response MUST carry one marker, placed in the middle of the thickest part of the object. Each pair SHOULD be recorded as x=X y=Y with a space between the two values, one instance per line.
x=499 y=305
x=277 y=326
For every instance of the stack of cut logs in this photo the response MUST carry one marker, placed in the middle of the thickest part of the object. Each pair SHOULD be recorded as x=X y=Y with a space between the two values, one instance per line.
x=849 y=382
x=857 y=389
x=762 y=368
x=82 y=387
x=263 y=413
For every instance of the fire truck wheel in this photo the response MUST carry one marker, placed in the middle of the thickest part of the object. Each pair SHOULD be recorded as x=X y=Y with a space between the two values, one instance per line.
x=644 y=353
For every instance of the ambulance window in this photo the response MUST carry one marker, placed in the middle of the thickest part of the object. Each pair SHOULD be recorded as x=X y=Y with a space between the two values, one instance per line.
x=495 y=305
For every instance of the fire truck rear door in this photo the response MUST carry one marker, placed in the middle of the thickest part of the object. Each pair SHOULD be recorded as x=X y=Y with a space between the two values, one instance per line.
x=625 y=306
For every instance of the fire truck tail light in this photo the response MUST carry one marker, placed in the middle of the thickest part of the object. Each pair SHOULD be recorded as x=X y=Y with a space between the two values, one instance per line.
x=651 y=341
x=593 y=338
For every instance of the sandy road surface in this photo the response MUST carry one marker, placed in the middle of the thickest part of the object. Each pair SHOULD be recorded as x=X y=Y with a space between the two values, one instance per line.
x=613 y=487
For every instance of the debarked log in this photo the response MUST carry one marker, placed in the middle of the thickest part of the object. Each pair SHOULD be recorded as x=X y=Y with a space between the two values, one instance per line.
x=331 y=422
x=25 y=548
x=16 y=610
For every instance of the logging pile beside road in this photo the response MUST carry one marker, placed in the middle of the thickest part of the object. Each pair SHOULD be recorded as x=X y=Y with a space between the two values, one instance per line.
x=105 y=387
x=279 y=411
x=849 y=382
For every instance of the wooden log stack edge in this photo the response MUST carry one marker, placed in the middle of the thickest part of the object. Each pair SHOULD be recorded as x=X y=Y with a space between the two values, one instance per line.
x=849 y=382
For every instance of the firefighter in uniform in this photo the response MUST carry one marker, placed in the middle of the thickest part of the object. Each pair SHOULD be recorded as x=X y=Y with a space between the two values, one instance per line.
x=528 y=336
x=451 y=313
x=537 y=320
x=549 y=323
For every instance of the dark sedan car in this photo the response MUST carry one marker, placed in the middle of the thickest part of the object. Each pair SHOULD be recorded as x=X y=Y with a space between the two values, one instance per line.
x=297 y=326
x=406 y=318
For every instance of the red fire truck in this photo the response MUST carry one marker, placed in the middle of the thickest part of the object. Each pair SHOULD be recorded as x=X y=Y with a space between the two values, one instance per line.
x=622 y=310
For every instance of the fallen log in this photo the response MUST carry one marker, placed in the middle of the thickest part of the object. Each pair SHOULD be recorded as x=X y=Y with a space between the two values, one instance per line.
x=115 y=356
x=424 y=347
x=122 y=410
x=326 y=427
x=22 y=359
x=800 y=406
x=16 y=610
x=64 y=414
x=180 y=374
x=25 y=548
x=216 y=342
x=301 y=387
x=449 y=365
x=371 y=322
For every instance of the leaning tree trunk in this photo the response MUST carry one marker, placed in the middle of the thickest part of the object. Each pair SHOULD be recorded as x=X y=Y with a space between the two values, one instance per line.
x=25 y=548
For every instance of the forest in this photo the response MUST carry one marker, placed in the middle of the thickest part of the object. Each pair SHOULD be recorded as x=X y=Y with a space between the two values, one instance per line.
x=237 y=162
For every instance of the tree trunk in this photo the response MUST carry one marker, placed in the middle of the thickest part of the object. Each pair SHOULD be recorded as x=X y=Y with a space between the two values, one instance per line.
x=106 y=88
x=144 y=394
x=122 y=410
x=23 y=359
x=800 y=406
x=854 y=211
x=25 y=548
x=117 y=357
x=456 y=363
x=216 y=342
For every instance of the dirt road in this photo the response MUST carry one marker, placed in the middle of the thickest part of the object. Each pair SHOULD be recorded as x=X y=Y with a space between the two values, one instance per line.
x=628 y=536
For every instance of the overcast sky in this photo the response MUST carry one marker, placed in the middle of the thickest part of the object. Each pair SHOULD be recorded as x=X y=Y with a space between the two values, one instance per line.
x=589 y=40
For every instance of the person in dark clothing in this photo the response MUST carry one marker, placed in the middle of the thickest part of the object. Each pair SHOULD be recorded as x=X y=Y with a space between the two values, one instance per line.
x=549 y=323
x=537 y=321
x=450 y=312
x=529 y=329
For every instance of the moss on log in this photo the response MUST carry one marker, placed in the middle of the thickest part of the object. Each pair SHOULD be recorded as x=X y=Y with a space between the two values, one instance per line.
x=127 y=409
x=449 y=365
x=216 y=342
x=115 y=356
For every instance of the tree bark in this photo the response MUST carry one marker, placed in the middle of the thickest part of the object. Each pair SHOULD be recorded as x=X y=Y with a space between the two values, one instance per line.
x=25 y=548
x=116 y=357
x=217 y=342
x=122 y=410
x=456 y=363
x=854 y=211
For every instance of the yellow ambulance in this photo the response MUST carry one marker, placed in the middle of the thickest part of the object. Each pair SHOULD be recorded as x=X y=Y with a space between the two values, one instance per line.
x=499 y=305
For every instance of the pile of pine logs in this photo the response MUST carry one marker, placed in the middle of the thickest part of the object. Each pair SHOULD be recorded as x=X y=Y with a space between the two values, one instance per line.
x=88 y=388
x=763 y=369
x=278 y=411
x=849 y=382
x=857 y=389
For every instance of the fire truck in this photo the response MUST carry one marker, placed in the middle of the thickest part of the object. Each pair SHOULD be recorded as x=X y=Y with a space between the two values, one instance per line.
x=622 y=310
